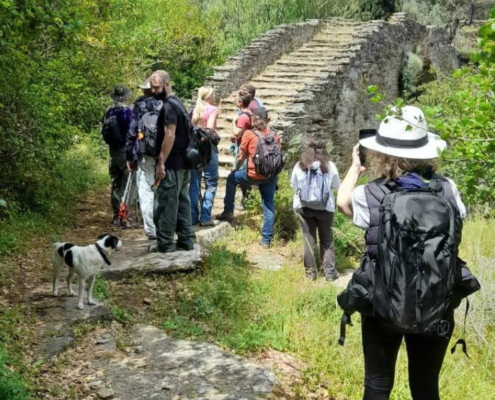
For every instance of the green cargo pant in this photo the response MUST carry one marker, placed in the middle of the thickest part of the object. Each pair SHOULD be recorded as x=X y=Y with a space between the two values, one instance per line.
x=172 y=211
x=118 y=174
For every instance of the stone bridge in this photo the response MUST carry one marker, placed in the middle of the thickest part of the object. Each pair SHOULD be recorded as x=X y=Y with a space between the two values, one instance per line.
x=312 y=76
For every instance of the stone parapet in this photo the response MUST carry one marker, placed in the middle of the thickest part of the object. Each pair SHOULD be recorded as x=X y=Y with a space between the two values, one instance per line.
x=262 y=52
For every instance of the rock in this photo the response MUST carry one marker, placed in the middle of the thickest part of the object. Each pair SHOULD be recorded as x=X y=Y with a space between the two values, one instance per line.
x=87 y=371
x=147 y=301
x=102 y=341
x=54 y=346
x=95 y=384
x=179 y=368
x=105 y=393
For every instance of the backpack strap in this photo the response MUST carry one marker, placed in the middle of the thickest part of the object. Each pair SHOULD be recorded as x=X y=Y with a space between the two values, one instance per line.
x=180 y=108
x=375 y=192
x=462 y=340
x=346 y=320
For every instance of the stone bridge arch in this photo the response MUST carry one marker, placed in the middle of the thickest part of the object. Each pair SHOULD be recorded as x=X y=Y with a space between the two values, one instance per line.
x=313 y=75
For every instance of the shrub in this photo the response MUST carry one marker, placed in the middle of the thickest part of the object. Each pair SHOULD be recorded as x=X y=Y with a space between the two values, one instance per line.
x=411 y=75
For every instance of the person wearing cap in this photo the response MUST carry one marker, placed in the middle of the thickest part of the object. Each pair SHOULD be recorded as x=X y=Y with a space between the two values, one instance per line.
x=117 y=166
x=267 y=187
x=138 y=159
x=403 y=151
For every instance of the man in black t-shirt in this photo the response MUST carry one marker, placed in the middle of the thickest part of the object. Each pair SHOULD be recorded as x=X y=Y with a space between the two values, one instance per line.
x=172 y=207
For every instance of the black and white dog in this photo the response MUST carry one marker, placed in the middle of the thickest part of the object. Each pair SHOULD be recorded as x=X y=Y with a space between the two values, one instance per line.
x=85 y=261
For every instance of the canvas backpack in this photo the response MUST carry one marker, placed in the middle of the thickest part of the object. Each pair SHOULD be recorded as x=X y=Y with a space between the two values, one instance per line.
x=198 y=152
x=268 y=160
x=111 y=128
x=148 y=126
x=411 y=277
x=313 y=190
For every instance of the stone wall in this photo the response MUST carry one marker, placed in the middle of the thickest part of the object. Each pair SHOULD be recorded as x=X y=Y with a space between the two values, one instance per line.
x=262 y=52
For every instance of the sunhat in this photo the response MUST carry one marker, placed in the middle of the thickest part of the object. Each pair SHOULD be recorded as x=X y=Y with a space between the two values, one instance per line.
x=405 y=134
x=120 y=93
x=145 y=85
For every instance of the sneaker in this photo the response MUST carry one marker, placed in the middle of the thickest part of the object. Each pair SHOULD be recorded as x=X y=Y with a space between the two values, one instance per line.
x=265 y=245
x=333 y=277
x=207 y=223
x=226 y=216
x=312 y=275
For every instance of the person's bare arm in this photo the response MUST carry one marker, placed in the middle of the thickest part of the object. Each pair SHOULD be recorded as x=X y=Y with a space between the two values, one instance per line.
x=344 y=195
x=168 y=142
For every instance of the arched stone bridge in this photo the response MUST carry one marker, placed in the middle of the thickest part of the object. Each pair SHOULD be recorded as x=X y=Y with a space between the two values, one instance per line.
x=312 y=76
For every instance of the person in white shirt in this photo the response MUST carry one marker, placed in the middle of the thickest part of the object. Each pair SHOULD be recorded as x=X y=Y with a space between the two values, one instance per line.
x=313 y=179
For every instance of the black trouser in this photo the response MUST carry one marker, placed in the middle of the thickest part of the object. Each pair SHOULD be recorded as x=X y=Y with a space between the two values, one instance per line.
x=322 y=221
x=425 y=357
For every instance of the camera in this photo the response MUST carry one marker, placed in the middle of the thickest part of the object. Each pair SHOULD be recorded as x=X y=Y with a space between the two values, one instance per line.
x=363 y=134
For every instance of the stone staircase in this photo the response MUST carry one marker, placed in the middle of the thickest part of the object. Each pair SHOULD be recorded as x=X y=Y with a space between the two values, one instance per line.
x=282 y=84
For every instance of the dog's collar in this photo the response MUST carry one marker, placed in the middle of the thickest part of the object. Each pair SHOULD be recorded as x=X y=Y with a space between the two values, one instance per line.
x=102 y=254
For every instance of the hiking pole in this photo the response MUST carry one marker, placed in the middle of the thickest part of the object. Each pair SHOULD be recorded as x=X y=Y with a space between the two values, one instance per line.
x=124 y=204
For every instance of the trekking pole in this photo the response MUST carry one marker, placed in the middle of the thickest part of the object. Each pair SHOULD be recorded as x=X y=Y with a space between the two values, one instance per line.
x=124 y=204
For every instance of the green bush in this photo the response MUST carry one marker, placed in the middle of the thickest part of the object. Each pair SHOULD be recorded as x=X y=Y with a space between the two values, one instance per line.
x=286 y=224
x=411 y=75
x=12 y=387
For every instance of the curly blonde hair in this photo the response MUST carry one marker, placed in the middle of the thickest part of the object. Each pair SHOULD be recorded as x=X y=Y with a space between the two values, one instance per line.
x=383 y=166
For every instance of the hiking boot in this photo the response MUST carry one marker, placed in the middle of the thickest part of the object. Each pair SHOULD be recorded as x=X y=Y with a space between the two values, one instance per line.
x=116 y=220
x=151 y=237
x=125 y=224
x=153 y=248
x=207 y=223
x=226 y=216
x=184 y=246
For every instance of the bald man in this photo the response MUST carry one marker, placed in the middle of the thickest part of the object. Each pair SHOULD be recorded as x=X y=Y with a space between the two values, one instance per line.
x=172 y=206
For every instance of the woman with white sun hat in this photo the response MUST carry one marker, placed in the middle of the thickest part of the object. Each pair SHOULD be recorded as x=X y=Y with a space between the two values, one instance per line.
x=403 y=152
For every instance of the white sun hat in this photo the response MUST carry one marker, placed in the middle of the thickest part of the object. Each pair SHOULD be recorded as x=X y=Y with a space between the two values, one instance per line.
x=405 y=134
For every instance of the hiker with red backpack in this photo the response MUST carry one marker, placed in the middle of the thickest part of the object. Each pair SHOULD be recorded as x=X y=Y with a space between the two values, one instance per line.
x=241 y=123
x=261 y=147
x=115 y=125
x=410 y=279
x=314 y=178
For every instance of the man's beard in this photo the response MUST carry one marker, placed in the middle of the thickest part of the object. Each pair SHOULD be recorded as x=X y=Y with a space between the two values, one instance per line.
x=162 y=95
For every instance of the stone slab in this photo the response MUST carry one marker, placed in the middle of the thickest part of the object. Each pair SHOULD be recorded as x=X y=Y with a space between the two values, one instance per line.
x=134 y=257
x=165 y=368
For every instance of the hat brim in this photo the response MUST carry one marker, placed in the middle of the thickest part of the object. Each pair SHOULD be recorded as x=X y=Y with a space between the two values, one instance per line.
x=431 y=150
x=123 y=97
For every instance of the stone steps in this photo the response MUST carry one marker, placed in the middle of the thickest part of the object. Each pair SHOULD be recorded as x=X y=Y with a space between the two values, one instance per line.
x=287 y=80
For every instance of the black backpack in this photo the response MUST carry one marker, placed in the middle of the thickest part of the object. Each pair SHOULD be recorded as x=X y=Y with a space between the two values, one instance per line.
x=416 y=280
x=148 y=125
x=268 y=160
x=198 y=152
x=111 y=128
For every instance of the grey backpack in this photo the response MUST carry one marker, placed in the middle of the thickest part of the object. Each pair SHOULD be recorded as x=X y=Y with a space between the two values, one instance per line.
x=313 y=191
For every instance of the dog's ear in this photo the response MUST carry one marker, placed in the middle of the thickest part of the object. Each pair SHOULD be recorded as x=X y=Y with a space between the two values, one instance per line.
x=102 y=236
x=112 y=241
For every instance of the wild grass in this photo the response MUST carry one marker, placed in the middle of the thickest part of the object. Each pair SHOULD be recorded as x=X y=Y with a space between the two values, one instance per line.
x=248 y=310
x=81 y=170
